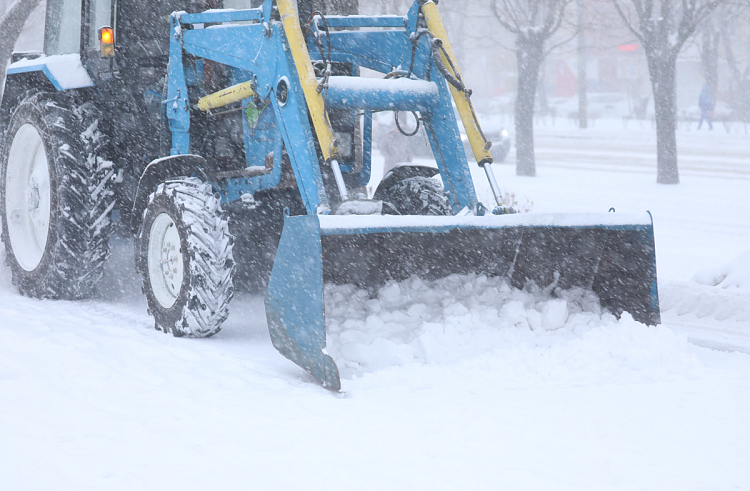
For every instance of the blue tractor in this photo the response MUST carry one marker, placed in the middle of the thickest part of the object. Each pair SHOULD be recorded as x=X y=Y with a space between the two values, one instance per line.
x=233 y=142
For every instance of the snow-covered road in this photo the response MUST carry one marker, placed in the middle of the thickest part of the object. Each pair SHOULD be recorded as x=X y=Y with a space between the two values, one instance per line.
x=607 y=146
x=92 y=397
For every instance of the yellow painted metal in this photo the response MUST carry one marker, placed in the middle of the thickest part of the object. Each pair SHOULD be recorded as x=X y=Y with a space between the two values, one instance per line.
x=473 y=132
x=306 y=73
x=227 y=96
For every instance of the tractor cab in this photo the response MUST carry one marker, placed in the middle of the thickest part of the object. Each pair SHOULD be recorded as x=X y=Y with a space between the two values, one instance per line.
x=128 y=39
x=115 y=36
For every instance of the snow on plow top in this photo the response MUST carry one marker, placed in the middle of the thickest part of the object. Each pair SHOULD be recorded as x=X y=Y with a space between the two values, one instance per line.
x=335 y=224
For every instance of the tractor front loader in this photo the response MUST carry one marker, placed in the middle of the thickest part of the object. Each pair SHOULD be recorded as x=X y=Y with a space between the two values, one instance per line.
x=235 y=146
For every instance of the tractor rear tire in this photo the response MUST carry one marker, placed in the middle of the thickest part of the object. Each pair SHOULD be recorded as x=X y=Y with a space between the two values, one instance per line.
x=184 y=255
x=55 y=197
x=416 y=195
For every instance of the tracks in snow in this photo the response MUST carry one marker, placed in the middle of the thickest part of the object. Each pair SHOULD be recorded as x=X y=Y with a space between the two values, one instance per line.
x=710 y=316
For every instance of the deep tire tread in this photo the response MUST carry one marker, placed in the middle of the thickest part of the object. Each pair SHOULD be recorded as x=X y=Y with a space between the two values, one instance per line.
x=73 y=264
x=417 y=195
x=202 y=305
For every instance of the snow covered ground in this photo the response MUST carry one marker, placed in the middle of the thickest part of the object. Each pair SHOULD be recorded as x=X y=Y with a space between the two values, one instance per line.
x=495 y=389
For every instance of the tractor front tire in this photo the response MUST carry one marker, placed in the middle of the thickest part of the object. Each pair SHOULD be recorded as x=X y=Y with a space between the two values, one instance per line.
x=184 y=254
x=55 y=197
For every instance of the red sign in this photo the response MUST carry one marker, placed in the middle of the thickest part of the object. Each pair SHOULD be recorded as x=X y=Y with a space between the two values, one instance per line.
x=629 y=47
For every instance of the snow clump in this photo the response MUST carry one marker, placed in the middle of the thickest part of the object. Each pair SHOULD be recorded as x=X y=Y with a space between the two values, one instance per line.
x=733 y=275
x=443 y=321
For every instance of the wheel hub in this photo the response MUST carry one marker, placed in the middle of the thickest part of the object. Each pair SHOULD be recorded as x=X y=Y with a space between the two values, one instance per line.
x=28 y=197
x=33 y=197
x=165 y=259
x=169 y=259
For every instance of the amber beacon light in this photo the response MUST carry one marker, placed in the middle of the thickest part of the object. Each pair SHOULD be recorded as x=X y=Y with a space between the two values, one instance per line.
x=106 y=42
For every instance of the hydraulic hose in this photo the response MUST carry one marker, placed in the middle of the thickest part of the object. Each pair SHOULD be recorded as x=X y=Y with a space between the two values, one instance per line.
x=479 y=145
x=306 y=72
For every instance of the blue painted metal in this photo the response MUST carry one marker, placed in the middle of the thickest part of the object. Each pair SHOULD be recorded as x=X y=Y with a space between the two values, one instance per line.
x=262 y=137
x=444 y=225
x=255 y=49
x=177 y=103
x=294 y=300
x=380 y=95
x=222 y=16
x=241 y=46
x=654 y=286
x=412 y=18
x=377 y=50
x=367 y=250
x=364 y=176
x=294 y=125
x=359 y=21
x=234 y=188
x=442 y=132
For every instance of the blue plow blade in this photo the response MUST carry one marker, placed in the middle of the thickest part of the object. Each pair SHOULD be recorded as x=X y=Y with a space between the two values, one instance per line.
x=610 y=253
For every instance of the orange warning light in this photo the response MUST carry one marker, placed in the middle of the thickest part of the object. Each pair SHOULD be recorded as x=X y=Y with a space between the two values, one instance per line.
x=106 y=42
x=107 y=35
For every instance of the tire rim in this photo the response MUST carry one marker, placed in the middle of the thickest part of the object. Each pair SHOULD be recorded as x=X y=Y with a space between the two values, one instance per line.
x=27 y=197
x=165 y=269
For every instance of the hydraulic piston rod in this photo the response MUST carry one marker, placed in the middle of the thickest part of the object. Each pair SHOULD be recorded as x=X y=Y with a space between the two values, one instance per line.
x=493 y=184
x=227 y=96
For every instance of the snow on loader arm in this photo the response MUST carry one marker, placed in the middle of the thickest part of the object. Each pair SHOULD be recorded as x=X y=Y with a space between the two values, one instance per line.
x=611 y=254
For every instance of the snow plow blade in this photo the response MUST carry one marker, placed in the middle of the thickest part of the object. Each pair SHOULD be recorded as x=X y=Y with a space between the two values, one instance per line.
x=611 y=254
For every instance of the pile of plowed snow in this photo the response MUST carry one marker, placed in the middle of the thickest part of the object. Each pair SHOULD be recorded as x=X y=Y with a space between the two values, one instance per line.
x=733 y=275
x=460 y=317
x=721 y=293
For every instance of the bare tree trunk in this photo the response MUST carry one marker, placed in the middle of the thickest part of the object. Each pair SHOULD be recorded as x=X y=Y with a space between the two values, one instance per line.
x=529 y=55
x=533 y=22
x=663 y=84
x=11 y=26
x=663 y=27
x=583 y=119
x=710 y=55
x=739 y=96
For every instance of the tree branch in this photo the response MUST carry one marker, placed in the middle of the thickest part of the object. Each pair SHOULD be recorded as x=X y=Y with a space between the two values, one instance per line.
x=627 y=22
x=511 y=28
x=557 y=45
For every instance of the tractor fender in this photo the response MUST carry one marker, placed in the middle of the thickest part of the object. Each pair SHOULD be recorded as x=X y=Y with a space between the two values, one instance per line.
x=159 y=171
x=64 y=72
x=405 y=171
x=29 y=72
x=18 y=87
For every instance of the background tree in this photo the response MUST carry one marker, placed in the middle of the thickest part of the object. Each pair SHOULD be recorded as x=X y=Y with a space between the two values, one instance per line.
x=710 y=39
x=533 y=22
x=734 y=33
x=583 y=119
x=663 y=27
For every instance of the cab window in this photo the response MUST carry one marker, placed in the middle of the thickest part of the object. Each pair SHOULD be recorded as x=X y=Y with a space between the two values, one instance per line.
x=62 y=31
